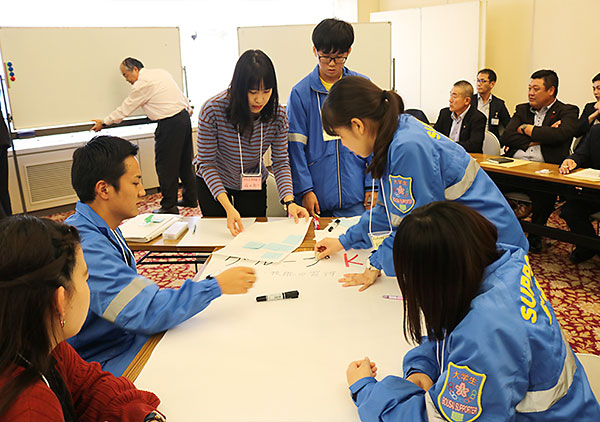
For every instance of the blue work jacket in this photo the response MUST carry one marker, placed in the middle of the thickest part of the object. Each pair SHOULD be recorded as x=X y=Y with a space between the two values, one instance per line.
x=125 y=307
x=507 y=360
x=424 y=166
x=335 y=174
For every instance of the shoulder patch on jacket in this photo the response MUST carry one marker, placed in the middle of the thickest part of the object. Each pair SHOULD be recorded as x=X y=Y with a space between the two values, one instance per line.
x=401 y=193
x=460 y=398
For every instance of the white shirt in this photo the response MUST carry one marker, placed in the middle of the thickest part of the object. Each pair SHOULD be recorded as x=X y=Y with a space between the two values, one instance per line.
x=540 y=115
x=484 y=107
x=457 y=124
x=156 y=92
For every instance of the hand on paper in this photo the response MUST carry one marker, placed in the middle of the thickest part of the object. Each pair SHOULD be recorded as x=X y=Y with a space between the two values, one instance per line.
x=97 y=125
x=327 y=246
x=234 y=221
x=311 y=203
x=370 y=199
x=357 y=279
x=298 y=212
x=421 y=380
x=360 y=369
x=236 y=280
x=567 y=166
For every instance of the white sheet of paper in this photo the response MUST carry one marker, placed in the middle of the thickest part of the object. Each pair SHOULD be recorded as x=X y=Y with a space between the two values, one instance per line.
x=211 y=232
x=340 y=229
x=281 y=360
x=271 y=242
x=585 y=174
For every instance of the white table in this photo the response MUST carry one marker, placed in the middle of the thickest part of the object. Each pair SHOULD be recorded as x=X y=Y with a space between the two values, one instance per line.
x=239 y=360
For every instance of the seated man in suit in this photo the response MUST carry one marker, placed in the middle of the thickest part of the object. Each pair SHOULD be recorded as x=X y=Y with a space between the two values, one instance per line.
x=576 y=212
x=541 y=130
x=461 y=122
x=591 y=112
x=493 y=107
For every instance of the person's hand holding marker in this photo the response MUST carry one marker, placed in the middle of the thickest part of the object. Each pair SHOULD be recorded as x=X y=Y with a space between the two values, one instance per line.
x=326 y=247
x=360 y=369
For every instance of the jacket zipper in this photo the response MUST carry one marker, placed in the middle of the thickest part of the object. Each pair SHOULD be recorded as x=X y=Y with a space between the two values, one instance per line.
x=337 y=154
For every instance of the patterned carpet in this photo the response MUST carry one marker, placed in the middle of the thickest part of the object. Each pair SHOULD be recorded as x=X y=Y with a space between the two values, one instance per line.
x=574 y=290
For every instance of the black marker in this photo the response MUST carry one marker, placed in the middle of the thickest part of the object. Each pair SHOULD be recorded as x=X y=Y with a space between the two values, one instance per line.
x=292 y=294
x=334 y=225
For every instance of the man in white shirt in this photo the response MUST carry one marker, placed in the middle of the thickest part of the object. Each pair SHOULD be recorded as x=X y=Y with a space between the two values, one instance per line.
x=491 y=106
x=157 y=93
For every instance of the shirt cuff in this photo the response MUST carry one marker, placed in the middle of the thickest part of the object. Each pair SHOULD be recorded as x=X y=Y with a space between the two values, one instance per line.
x=356 y=388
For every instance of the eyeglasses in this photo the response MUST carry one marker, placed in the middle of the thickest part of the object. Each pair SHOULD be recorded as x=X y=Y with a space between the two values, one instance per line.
x=481 y=81
x=336 y=60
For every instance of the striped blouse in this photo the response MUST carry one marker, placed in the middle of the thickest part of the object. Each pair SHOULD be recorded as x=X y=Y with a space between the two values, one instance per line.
x=218 y=151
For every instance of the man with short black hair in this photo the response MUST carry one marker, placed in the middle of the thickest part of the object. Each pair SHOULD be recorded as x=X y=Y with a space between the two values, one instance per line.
x=125 y=307
x=461 y=122
x=591 y=112
x=491 y=106
x=328 y=178
x=541 y=130
x=157 y=93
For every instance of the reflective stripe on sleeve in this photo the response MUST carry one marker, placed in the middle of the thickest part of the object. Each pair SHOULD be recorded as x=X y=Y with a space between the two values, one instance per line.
x=458 y=189
x=125 y=296
x=297 y=137
x=432 y=412
x=539 y=401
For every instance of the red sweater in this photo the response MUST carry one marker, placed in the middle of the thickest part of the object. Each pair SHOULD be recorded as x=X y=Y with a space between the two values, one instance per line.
x=96 y=395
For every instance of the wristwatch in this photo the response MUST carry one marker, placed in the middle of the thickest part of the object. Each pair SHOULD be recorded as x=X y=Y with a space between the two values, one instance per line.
x=286 y=204
x=155 y=416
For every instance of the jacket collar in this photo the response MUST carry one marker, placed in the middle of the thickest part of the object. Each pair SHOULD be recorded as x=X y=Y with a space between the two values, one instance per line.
x=85 y=211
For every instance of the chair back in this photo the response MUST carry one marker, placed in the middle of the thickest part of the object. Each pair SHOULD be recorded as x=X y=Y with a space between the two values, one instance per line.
x=415 y=112
x=491 y=144
x=591 y=364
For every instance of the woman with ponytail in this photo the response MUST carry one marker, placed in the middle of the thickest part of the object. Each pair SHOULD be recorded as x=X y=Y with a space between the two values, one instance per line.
x=44 y=299
x=415 y=166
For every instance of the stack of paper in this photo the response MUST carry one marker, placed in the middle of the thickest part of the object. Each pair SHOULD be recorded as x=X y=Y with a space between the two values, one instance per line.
x=146 y=227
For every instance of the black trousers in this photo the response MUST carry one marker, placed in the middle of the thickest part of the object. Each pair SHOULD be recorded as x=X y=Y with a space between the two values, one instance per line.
x=173 y=153
x=249 y=203
x=5 y=207
x=577 y=215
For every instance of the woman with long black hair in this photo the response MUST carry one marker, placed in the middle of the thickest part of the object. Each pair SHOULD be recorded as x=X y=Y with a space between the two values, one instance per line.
x=235 y=129
x=415 y=166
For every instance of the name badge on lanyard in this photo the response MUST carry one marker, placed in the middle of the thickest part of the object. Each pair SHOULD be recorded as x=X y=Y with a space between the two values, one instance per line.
x=378 y=237
x=252 y=181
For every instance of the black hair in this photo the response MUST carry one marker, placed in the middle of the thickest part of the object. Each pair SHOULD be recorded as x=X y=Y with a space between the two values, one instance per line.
x=490 y=73
x=596 y=78
x=333 y=36
x=102 y=158
x=130 y=63
x=550 y=79
x=440 y=253
x=254 y=70
x=357 y=97
x=38 y=256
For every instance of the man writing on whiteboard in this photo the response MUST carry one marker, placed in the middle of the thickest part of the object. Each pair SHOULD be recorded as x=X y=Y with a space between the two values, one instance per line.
x=157 y=93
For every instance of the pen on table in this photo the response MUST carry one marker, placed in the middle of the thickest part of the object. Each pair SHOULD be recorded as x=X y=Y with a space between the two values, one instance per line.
x=316 y=221
x=292 y=294
x=194 y=228
x=334 y=224
x=392 y=297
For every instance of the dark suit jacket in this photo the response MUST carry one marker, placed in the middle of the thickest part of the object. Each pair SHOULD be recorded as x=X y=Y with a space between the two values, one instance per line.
x=587 y=153
x=584 y=124
x=471 y=132
x=498 y=111
x=555 y=142
x=4 y=139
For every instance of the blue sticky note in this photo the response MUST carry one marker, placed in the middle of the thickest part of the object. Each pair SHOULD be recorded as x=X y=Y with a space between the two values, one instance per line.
x=254 y=245
x=278 y=247
x=293 y=239
x=271 y=255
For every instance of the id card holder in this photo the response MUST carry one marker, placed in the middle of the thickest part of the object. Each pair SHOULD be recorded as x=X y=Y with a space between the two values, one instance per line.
x=251 y=182
x=377 y=238
x=494 y=122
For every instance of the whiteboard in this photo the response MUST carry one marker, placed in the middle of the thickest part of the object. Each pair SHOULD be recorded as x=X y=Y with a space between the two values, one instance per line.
x=66 y=76
x=290 y=49
x=434 y=47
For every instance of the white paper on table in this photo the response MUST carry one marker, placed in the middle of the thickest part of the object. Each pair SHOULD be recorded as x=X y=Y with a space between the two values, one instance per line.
x=145 y=227
x=586 y=174
x=270 y=241
x=340 y=229
x=211 y=232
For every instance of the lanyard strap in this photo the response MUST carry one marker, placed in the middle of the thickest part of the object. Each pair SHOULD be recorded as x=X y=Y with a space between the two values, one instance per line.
x=382 y=190
x=259 y=153
x=125 y=255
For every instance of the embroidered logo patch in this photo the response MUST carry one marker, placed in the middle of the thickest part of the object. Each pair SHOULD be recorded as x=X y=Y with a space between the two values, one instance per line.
x=460 y=399
x=401 y=193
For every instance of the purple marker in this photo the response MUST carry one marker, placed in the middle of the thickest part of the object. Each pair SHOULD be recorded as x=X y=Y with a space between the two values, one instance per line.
x=392 y=297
